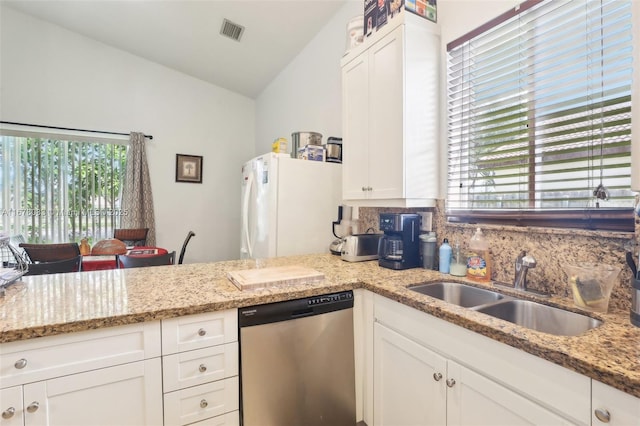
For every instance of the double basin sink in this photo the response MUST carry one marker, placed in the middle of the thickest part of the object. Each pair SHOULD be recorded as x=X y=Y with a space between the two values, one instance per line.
x=525 y=313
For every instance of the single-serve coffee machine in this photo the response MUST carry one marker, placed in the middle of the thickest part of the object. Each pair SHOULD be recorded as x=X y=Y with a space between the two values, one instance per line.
x=399 y=247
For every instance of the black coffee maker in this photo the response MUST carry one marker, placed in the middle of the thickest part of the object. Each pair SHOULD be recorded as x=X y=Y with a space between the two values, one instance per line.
x=399 y=247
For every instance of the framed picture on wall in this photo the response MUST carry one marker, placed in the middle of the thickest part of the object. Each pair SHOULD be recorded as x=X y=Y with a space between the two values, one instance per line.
x=188 y=168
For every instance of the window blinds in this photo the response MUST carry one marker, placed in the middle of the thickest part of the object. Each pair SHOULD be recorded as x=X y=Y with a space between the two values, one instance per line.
x=539 y=110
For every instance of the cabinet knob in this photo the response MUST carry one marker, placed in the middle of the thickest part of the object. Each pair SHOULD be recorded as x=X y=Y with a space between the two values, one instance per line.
x=202 y=368
x=33 y=407
x=21 y=363
x=603 y=415
x=203 y=403
x=437 y=376
x=451 y=382
x=202 y=332
x=369 y=188
x=364 y=188
x=8 y=413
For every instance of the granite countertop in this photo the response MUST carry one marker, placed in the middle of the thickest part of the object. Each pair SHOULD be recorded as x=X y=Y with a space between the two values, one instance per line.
x=53 y=304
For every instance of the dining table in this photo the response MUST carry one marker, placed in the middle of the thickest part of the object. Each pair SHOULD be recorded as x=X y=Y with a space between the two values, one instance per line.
x=104 y=262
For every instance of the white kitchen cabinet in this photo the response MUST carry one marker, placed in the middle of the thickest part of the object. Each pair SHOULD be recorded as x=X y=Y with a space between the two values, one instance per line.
x=441 y=391
x=390 y=116
x=110 y=376
x=406 y=391
x=485 y=381
x=613 y=407
x=200 y=369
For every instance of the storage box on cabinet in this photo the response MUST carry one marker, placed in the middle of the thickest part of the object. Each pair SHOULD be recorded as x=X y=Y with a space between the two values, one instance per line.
x=200 y=369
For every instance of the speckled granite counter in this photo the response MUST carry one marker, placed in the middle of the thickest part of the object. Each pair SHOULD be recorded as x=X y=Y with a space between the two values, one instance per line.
x=47 y=305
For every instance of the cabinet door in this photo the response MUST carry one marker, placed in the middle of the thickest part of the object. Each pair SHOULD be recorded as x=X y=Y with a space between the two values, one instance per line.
x=11 y=413
x=405 y=390
x=473 y=399
x=128 y=394
x=386 y=117
x=613 y=407
x=355 y=122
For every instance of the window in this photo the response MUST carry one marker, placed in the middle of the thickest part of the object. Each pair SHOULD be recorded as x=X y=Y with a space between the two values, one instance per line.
x=539 y=117
x=60 y=190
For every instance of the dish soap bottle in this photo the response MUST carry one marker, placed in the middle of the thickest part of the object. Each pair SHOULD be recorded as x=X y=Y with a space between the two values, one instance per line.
x=478 y=261
x=445 y=256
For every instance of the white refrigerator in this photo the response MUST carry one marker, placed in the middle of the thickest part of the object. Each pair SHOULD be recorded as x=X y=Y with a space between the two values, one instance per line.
x=288 y=206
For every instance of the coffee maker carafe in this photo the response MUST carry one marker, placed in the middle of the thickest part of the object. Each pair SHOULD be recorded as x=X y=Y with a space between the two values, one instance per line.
x=399 y=246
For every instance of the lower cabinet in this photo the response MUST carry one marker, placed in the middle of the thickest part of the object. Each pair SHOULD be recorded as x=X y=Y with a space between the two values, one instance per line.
x=427 y=371
x=200 y=369
x=87 y=378
x=414 y=385
x=613 y=407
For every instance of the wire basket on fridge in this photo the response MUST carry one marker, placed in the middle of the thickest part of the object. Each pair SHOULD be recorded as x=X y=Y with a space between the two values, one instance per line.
x=14 y=264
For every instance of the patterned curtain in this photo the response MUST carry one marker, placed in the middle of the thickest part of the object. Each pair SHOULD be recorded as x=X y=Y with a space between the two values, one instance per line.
x=137 y=199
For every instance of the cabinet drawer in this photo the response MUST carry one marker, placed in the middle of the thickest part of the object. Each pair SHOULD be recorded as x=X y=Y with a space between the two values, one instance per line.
x=199 y=331
x=201 y=402
x=53 y=356
x=228 y=419
x=11 y=403
x=200 y=366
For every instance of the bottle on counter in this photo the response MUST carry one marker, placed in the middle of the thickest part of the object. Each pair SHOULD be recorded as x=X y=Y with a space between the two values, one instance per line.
x=478 y=258
x=458 y=261
x=445 y=256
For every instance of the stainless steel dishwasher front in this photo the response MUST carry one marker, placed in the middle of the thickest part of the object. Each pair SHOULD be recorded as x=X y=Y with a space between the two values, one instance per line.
x=297 y=362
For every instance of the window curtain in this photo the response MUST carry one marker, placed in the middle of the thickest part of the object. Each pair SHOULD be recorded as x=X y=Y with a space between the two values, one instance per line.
x=137 y=199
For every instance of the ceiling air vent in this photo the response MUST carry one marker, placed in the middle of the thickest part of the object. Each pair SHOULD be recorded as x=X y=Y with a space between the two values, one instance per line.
x=231 y=30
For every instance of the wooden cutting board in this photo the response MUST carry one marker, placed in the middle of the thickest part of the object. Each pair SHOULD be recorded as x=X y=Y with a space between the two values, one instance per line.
x=249 y=279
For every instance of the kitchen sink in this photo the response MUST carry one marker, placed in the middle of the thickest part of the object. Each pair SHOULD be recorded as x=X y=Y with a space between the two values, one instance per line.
x=539 y=317
x=458 y=294
x=525 y=313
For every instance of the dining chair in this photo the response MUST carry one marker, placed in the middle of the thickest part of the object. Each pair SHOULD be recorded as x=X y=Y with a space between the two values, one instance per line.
x=50 y=252
x=132 y=236
x=55 y=267
x=125 y=261
x=184 y=246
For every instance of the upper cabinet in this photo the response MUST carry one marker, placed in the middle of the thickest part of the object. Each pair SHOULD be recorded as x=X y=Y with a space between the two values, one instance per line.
x=390 y=116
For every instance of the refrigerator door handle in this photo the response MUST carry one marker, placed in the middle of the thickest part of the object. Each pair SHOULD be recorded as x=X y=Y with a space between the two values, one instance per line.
x=245 y=214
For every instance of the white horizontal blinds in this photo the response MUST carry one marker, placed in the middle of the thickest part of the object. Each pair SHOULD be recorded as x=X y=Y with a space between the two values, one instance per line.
x=59 y=191
x=540 y=110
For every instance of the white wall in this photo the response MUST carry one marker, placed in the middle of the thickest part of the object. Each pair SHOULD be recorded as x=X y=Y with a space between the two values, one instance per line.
x=51 y=76
x=306 y=95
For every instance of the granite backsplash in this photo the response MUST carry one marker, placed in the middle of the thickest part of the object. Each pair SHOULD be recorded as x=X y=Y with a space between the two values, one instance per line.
x=552 y=248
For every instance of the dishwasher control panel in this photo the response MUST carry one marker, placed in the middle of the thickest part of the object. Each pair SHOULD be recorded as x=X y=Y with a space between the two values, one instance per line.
x=330 y=298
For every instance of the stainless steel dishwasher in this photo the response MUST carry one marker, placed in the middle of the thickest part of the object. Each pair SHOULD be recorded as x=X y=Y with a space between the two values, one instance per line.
x=297 y=362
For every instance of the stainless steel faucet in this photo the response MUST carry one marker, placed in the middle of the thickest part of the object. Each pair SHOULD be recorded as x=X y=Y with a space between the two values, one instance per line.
x=524 y=262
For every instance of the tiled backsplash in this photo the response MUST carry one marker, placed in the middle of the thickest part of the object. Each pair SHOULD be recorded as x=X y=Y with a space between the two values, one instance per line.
x=552 y=248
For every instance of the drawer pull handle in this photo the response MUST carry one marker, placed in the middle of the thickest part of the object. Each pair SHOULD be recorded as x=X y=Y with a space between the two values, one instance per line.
x=603 y=415
x=33 y=407
x=8 y=413
x=451 y=382
x=437 y=376
x=202 y=368
x=20 y=364
x=202 y=332
x=203 y=403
